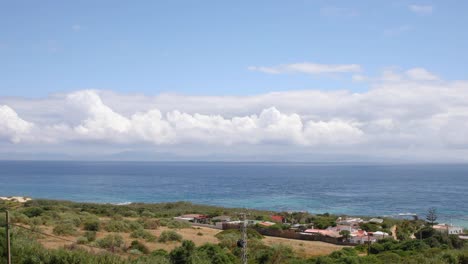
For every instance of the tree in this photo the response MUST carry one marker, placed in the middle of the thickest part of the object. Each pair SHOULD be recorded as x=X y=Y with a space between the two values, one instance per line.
x=345 y=234
x=183 y=254
x=431 y=215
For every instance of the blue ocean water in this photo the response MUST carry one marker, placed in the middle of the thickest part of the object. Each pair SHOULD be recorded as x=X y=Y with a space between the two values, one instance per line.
x=354 y=189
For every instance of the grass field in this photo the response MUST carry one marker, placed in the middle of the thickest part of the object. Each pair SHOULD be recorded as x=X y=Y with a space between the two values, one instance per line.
x=200 y=236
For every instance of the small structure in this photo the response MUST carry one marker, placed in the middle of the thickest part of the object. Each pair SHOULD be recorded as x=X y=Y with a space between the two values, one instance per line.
x=362 y=239
x=376 y=220
x=379 y=235
x=221 y=218
x=340 y=228
x=194 y=218
x=449 y=229
x=277 y=218
x=266 y=224
x=349 y=221
x=323 y=232
x=407 y=216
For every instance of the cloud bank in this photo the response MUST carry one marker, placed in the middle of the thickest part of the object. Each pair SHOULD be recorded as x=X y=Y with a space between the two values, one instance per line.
x=307 y=68
x=410 y=114
x=421 y=9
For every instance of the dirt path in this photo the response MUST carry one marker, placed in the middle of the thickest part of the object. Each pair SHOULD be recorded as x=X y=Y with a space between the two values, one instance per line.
x=394 y=230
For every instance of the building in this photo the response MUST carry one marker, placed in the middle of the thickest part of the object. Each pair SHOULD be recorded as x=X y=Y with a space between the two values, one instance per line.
x=266 y=224
x=376 y=220
x=277 y=218
x=194 y=218
x=349 y=221
x=362 y=239
x=449 y=229
x=221 y=218
x=323 y=232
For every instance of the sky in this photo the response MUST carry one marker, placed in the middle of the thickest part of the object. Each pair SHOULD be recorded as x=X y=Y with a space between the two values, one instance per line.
x=234 y=80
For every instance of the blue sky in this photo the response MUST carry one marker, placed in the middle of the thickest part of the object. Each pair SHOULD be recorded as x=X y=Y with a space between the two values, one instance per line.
x=234 y=80
x=206 y=47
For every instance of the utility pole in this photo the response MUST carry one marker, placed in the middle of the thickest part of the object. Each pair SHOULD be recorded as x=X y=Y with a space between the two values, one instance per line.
x=244 y=237
x=8 y=238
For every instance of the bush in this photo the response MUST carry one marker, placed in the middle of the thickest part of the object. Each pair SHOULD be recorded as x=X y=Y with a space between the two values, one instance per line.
x=91 y=224
x=117 y=226
x=159 y=252
x=65 y=229
x=141 y=233
x=90 y=235
x=251 y=233
x=70 y=218
x=33 y=211
x=147 y=213
x=137 y=245
x=148 y=223
x=171 y=223
x=81 y=240
x=110 y=241
x=169 y=235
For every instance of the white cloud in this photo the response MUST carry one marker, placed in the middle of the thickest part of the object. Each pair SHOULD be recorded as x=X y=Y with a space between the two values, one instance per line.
x=420 y=74
x=332 y=11
x=405 y=113
x=12 y=126
x=421 y=9
x=308 y=68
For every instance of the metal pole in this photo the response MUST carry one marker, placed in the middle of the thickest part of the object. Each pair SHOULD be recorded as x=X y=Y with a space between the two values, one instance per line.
x=8 y=238
x=244 y=239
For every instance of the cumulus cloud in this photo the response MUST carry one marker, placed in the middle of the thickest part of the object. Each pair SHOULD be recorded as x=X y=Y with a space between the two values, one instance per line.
x=307 y=68
x=420 y=74
x=405 y=112
x=100 y=122
x=421 y=9
x=12 y=126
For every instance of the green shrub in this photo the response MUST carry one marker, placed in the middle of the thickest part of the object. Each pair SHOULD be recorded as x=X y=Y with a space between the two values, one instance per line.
x=251 y=233
x=171 y=223
x=159 y=252
x=137 y=245
x=141 y=233
x=117 y=226
x=111 y=241
x=19 y=218
x=65 y=229
x=70 y=218
x=37 y=220
x=134 y=225
x=169 y=235
x=91 y=224
x=147 y=213
x=149 y=223
x=90 y=235
x=33 y=211
x=81 y=240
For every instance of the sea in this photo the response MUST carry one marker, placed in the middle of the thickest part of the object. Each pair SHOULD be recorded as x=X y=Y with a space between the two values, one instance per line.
x=339 y=188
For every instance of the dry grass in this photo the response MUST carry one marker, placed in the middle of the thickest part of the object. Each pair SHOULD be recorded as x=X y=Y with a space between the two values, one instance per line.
x=300 y=247
x=304 y=248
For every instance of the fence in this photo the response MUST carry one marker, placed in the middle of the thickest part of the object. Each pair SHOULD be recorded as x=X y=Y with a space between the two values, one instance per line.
x=291 y=234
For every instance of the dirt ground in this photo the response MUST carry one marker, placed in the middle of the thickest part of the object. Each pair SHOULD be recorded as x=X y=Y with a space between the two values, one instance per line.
x=300 y=247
